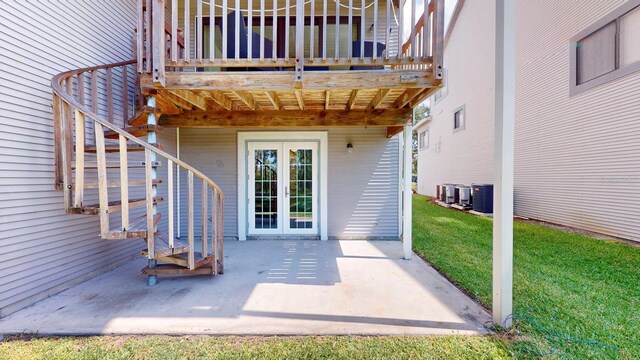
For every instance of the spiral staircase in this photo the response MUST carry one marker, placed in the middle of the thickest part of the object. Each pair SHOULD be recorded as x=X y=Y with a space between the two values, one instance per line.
x=108 y=163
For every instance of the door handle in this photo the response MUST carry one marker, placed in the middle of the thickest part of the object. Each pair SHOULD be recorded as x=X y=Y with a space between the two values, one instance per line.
x=286 y=191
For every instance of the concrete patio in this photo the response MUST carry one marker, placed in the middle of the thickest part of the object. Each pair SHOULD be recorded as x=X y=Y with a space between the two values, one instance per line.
x=269 y=288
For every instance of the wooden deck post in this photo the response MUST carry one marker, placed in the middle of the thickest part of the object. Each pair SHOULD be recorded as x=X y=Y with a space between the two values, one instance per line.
x=505 y=71
x=407 y=239
x=159 y=43
x=299 y=42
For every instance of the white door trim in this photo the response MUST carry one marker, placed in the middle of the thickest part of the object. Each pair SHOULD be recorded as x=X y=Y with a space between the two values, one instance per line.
x=321 y=137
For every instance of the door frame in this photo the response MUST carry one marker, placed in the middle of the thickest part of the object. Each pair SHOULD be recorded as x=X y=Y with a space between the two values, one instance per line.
x=244 y=137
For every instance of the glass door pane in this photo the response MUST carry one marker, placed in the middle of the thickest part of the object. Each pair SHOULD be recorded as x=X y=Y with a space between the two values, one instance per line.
x=301 y=188
x=265 y=209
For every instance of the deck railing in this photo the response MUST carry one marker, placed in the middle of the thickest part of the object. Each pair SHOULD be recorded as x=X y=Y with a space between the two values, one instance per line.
x=293 y=35
x=92 y=108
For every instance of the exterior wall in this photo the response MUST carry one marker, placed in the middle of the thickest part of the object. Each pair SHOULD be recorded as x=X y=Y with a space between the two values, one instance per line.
x=43 y=250
x=464 y=156
x=577 y=157
x=362 y=186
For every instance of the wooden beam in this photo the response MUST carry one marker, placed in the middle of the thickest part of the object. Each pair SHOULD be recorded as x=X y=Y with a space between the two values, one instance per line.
x=352 y=99
x=175 y=100
x=379 y=98
x=279 y=80
x=405 y=98
x=290 y=118
x=425 y=93
x=273 y=97
x=190 y=97
x=300 y=99
x=393 y=130
x=247 y=99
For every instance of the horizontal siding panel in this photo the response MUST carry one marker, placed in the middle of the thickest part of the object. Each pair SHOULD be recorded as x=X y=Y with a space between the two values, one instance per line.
x=41 y=247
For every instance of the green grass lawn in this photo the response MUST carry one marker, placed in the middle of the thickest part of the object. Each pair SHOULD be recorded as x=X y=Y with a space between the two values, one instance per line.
x=308 y=347
x=574 y=296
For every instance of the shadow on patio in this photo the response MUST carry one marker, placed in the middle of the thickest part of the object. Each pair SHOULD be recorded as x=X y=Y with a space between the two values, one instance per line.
x=269 y=287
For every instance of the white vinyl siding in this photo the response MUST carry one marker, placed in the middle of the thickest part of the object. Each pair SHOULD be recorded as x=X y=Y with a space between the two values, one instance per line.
x=362 y=185
x=455 y=156
x=577 y=157
x=43 y=250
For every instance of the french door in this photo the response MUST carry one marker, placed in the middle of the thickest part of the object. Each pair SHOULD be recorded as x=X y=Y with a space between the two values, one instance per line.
x=283 y=188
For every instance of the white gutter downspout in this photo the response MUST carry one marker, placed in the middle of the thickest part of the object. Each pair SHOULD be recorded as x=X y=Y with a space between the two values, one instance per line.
x=178 y=178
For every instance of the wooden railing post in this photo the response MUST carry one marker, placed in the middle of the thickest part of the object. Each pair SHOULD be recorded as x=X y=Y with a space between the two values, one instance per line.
x=159 y=43
x=79 y=183
x=299 y=42
x=103 y=195
x=439 y=38
x=190 y=226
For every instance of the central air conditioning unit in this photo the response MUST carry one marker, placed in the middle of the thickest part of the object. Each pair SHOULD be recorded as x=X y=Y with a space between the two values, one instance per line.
x=483 y=198
x=464 y=198
x=443 y=193
x=450 y=191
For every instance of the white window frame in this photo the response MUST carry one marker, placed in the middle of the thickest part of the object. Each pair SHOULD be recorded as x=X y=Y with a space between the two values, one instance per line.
x=574 y=87
x=464 y=118
x=423 y=139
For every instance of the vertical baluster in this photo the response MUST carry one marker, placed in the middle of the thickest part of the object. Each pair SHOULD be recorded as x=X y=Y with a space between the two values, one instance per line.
x=426 y=30
x=199 y=31
x=237 y=31
x=148 y=36
x=174 y=31
x=140 y=37
x=375 y=29
x=109 y=80
x=287 y=24
x=94 y=91
x=103 y=196
x=249 y=29
x=205 y=219
x=363 y=22
x=387 y=31
x=400 y=28
x=214 y=228
x=170 y=202
x=80 y=83
x=191 y=256
x=80 y=133
x=57 y=141
x=220 y=250
x=187 y=32
x=350 y=32
x=67 y=139
x=262 y=30
x=125 y=95
x=124 y=182
x=148 y=175
x=225 y=30
x=337 y=54
x=324 y=30
x=312 y=35
x=212 y=30
x=413 y=29
x=274 y=55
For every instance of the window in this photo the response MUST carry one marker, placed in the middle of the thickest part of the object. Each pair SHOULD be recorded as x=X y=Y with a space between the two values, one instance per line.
x=606 y=50
x=424 y=140
x=458 y=119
